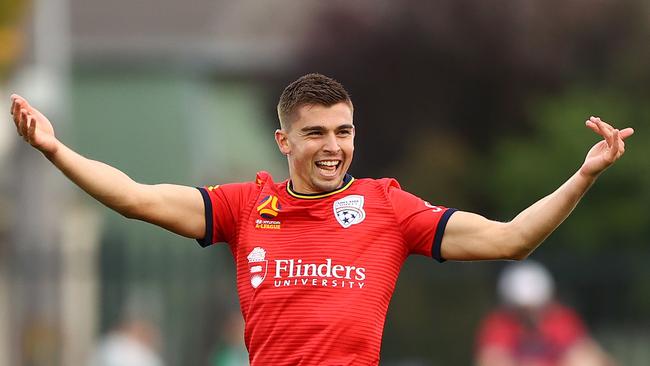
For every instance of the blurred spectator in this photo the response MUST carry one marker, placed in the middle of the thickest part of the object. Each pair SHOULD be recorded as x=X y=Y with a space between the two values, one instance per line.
x=230 y=349
x=131 y=344
x=135 y=340
x=531 y=329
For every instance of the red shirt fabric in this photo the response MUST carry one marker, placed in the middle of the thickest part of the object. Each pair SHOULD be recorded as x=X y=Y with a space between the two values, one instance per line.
x=315 y=273
x=556 y=330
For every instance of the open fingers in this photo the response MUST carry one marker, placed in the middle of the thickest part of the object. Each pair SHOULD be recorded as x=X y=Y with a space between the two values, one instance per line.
x=597 y=126
x=16 y=112
x=606 y=131
x=15 y=98
x=31 y=129
x=614 y=146
x=18 y=118
x=626 y=132
x=592 y=126
x=609 y=127
x=16 y=103
x=602 y=128
x=23 y=124
x=602 y=124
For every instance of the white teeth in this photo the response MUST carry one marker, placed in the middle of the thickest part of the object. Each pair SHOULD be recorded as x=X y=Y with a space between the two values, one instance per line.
x=327 y=163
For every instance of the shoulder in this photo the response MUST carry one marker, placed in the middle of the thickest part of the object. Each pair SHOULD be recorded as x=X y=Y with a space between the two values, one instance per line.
x=263 y=178
x=563 y=324
x=262 y=181
x=501 y=316
x=385 y=184
x=392 y=192
x=561 y=313
x=265 y=184
x=499 y=327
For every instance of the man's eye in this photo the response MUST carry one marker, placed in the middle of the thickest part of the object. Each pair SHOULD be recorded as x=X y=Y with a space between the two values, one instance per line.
x=313 y=133
x=344 y=132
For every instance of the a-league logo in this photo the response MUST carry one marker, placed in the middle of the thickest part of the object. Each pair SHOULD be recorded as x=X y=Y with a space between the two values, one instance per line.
x=349 y=210
x=257 y=266
x=269 y=207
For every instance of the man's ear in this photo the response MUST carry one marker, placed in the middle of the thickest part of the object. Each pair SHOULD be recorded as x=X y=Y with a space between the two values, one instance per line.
x=282 y=140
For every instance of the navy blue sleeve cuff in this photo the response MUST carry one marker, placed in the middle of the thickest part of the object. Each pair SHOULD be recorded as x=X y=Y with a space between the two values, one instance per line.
x=440 y=231
x=207 y=204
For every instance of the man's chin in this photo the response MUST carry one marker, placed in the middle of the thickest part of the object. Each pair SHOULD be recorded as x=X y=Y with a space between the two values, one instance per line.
x=327 y=185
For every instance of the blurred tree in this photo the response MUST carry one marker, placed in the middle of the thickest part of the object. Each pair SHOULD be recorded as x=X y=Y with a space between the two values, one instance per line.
x=617 y=209
x=468 y=68
x=601 y=250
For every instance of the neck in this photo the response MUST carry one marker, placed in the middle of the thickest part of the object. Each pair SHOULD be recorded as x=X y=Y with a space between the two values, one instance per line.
x=304 y=190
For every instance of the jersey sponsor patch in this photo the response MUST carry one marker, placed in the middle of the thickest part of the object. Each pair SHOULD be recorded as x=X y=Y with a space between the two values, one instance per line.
x=268 y=224
x=257 y=266
x=269 y=207
x=349 y=210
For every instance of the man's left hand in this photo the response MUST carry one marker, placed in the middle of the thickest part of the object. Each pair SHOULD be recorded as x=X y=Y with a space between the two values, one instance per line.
x=607 y=151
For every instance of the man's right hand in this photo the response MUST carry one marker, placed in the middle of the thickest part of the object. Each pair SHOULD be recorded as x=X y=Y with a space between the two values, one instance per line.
x=177 y=208
x=33 y=126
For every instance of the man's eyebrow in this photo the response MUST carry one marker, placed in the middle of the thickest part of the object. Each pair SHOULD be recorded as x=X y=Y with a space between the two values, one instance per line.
x=346 y=126
x=312 y=128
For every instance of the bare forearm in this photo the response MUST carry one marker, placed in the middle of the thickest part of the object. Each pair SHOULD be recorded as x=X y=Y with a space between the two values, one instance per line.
x=538 y=221
x=470 y=236
x=174 y=207
x=108 y=185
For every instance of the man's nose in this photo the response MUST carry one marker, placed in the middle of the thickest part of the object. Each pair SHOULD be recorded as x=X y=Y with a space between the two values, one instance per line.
x=332 y=143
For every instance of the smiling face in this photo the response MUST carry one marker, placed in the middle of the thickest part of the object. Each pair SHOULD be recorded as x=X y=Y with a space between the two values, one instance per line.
x=319 y=144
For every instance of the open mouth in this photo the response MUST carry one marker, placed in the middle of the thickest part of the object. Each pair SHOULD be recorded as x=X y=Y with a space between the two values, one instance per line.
x=328 y=168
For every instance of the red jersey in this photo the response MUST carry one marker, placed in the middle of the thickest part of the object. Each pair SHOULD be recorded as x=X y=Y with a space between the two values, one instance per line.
x=315 y=273
x=557 y=329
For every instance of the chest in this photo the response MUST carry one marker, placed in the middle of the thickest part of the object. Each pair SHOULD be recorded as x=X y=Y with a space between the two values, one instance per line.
x=339 y=239
x=338 y=225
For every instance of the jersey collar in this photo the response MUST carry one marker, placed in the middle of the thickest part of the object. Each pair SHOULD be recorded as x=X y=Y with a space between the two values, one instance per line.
x=347 y=182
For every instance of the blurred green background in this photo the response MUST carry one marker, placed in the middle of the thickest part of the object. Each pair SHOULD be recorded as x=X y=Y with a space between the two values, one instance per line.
x=469 y=104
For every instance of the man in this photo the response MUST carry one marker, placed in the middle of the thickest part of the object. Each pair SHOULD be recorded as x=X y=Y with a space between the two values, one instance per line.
x=318 y=255
x=531 y=328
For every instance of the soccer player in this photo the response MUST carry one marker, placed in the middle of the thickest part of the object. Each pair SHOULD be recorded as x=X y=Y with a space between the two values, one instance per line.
x=532 y=328
x=318 y=255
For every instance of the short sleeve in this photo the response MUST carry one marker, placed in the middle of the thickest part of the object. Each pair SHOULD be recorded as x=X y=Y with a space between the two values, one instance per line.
x=421 y=223
x=223 y=205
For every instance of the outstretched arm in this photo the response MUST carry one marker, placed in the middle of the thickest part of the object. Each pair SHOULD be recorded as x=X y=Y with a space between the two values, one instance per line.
x=173 y=207
x=473 y=237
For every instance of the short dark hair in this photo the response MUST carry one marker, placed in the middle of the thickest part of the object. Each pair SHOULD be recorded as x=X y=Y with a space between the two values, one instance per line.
x=310 y=89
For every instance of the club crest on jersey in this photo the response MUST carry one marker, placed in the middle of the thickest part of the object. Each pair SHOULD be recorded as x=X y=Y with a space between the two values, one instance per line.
x=257 y=265
x=349 y=210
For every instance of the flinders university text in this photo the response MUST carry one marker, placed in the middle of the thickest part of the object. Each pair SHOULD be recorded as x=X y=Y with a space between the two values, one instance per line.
x=290 y=272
